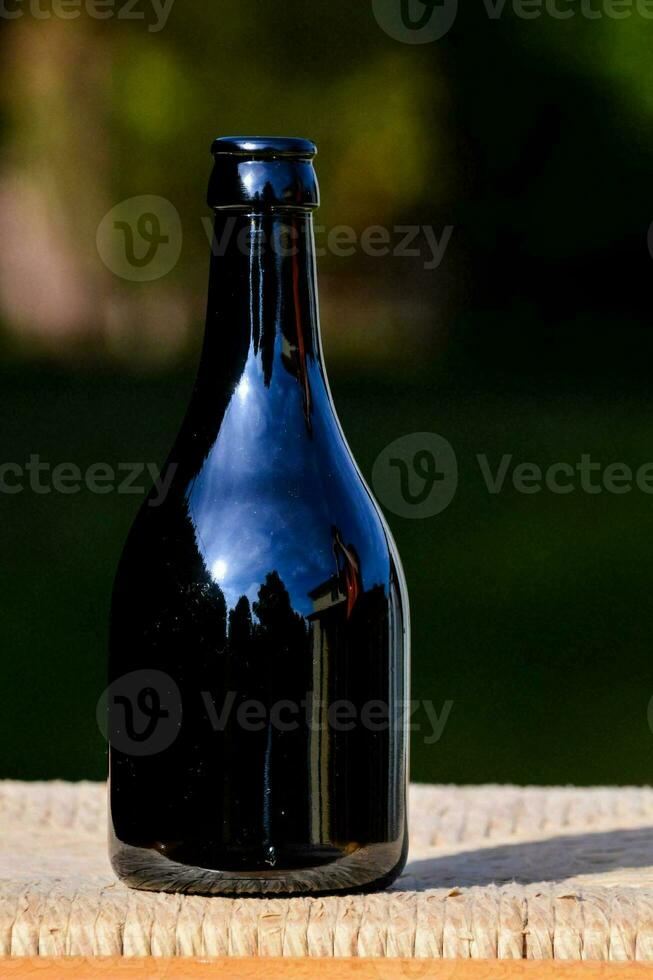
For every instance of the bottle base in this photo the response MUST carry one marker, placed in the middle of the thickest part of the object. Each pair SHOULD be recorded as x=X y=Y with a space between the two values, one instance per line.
x=369 y=868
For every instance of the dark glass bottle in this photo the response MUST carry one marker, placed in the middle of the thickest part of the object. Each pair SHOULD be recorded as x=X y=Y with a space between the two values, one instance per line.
x=259 y=631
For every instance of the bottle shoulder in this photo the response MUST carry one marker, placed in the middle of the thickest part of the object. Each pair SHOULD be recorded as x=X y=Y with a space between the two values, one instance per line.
x=271 y=490
x=295 y=507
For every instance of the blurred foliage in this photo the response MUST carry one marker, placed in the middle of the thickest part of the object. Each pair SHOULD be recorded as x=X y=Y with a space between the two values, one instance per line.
x=529 y=136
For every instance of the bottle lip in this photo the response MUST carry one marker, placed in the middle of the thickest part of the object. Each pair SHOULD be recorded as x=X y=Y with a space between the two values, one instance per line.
x=265 y=147
x=263 y=172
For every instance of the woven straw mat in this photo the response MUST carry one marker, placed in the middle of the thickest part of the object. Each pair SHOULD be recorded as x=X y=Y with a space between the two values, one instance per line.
x=493 y=872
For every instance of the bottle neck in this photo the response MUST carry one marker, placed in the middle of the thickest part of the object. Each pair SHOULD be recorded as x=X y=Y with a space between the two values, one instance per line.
x=262 y=295
x=261 y=361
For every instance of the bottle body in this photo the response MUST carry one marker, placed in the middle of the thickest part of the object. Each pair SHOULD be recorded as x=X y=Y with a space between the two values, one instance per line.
x=259 y=631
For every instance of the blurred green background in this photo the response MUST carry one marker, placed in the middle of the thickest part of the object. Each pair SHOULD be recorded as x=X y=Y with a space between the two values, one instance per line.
x=532 y=613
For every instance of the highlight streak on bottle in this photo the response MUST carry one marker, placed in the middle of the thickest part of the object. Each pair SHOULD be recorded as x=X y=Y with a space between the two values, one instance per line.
x=301 y=346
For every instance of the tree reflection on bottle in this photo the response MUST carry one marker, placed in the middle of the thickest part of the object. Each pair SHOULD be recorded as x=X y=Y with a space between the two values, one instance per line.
x=267 y=587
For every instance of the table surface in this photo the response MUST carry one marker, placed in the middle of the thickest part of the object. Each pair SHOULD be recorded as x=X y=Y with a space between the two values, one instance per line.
x=493 y=873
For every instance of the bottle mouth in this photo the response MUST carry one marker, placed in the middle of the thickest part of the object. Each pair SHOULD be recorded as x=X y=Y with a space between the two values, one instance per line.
x=263 y=173
x=265 y=147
